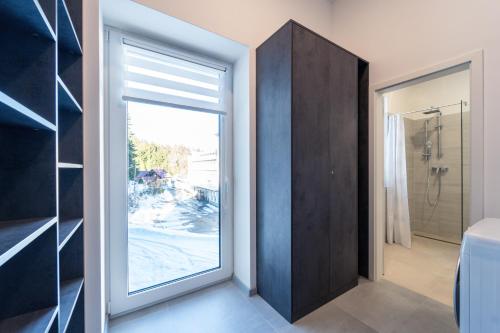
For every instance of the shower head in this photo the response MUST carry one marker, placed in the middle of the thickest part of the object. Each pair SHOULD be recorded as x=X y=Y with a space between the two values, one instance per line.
x=432 y=111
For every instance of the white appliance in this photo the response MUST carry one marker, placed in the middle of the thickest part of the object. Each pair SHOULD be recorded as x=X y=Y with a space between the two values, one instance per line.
x=477 y=305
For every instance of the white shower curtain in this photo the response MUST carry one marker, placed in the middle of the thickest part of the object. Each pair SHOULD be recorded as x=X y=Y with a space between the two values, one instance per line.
x=398 y=214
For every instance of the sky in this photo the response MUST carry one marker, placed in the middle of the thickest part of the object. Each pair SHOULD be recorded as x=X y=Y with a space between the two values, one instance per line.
x=170 y=126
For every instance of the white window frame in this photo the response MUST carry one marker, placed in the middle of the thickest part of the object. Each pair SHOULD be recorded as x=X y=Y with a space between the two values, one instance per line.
x=119 y=299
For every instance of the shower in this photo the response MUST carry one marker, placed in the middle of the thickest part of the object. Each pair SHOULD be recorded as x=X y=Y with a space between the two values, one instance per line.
x=425 y=169
x=427 y=154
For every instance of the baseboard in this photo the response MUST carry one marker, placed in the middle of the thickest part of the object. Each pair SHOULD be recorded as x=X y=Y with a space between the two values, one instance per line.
x=106 y=324
x=247 y=291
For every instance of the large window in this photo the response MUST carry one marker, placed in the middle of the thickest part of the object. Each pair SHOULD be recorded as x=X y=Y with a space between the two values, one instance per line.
x=169 y=170
x=173 y=194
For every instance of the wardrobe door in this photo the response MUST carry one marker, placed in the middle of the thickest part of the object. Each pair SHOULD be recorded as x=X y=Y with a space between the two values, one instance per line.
x=343 y=141
x=310 y=171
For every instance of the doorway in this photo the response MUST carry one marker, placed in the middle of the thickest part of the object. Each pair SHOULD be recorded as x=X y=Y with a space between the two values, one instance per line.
x=474 y=61
x=426 y=180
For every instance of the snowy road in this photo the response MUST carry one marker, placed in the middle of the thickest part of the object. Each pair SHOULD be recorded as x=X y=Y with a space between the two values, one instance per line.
x=171 y=235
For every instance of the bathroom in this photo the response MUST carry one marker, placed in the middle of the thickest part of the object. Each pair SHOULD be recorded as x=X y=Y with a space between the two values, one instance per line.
x=427 y=166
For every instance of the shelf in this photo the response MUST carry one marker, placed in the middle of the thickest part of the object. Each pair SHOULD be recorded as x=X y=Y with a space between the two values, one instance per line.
x=71 y=256
x=66 y=100
x=62 y=165
x=27 y=73
x=14 y=113
x=27 y=173
x=70 y=72
x=77 y=321
x=70 y=127
x=69 y=48
x=66 y=229
x=70 y=291
x=17 y=234
x=70 y=143
x=29 y=280
x=36 y=321
x=27 y=15
x=68 y=37
x=55 y=326
x=49 y=9
x=70 y=193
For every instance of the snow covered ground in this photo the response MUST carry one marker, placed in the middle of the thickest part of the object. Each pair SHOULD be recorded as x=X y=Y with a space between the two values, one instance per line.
x=171 y=235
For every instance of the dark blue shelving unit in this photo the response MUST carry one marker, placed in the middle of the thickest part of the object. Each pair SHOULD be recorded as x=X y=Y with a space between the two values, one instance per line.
x=36 y=321
x=67 y=228
x=69 y=46
x=36 y=17
x=41 y=166
x=67 y=35
x=66 y=100
x=70 y=290
x=70 y=165
x=17 y=234
x=14 y=113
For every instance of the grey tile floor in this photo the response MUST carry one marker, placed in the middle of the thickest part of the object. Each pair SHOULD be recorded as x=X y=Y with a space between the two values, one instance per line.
x=371 y=307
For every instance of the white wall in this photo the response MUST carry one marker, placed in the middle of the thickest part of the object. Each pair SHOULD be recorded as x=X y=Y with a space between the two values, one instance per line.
x=249 y=23
x=93 y=171
x=445 y=90
x=244 y=237
x=400 y=37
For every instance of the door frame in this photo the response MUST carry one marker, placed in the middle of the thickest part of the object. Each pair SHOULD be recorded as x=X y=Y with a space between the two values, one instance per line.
x=377 y=194
x=119 y=301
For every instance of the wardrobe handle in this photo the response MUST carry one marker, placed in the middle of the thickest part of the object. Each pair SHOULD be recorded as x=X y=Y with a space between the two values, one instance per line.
x=332 y=172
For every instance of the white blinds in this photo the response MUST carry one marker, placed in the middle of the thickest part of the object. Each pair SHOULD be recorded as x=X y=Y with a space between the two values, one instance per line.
x=158 y=78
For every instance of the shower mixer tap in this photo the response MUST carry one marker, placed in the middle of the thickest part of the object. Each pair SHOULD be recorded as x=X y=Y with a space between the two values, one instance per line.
x=439 y=169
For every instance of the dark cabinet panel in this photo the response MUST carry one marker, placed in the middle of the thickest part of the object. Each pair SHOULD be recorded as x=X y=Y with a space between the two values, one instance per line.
x=363 y=169
x=343 y=138
x=274 y=171
x=307 y=170
x=311 y=168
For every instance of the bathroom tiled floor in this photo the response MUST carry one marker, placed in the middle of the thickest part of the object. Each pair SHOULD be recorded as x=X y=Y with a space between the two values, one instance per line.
x=371 y=307
x=428 y=268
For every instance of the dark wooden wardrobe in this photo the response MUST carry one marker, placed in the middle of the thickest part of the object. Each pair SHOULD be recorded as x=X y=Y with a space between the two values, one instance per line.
x=310 y=96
